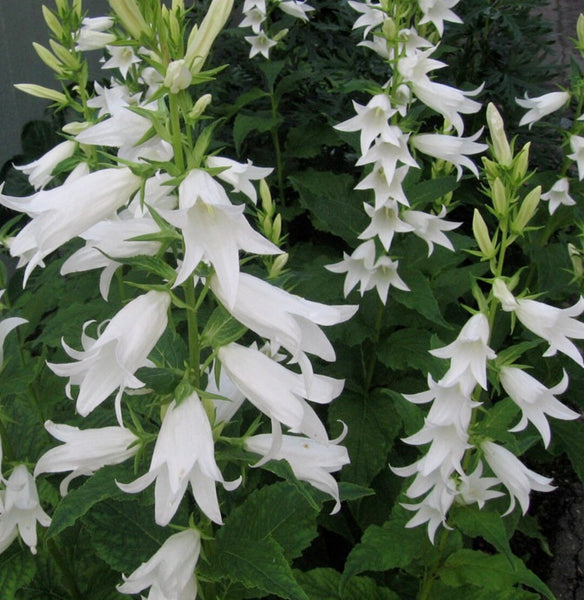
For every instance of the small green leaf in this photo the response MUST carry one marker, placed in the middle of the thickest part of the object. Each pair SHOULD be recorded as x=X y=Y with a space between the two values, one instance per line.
x=409 y=348
x=323 y=584
x=221 y=329
x=243 y=125
x=570 y=437
x=17 y=570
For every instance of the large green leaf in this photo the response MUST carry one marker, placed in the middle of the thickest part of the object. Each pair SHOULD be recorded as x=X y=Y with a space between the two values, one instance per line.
x=324 y=584
x=409 y=348
x=570 y=437
x=333 y=204
x=373 y=425
x=17 y=569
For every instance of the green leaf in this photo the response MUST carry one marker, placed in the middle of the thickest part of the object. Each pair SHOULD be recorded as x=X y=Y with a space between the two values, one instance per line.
x=333 y=204
x=17 y=570
x=430 y=190
x=570 y=437
x=257 y=564
x=124 y=534
x=474 y=522
x=489 y=572
x=221 y=329
x=150 y=264
x=275 y=512
x=243 y=125
x=78 y=502
x=373 y=424
x=409 y=348
x=160 y=381
x=307 y=140
x=323 y=584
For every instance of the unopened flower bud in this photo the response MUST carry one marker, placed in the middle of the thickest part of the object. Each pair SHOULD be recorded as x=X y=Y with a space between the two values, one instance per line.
x=527 y=210
x=48 y=58
x=178 y=76
x=200 y=106
x=501 y=148
x=278 y=265
x=505 y=297
x=481 y=234
x=499 y=197
x=266 y=197
x=276 y=229
x=491 y=168
x=66 y=57
x=580 y=30
x=53 y=22
x=280 y=35
x=41 y=92
x=521 y=163
x=75 y=127
x=129 y=13
x=389 y=28
x=576 y=260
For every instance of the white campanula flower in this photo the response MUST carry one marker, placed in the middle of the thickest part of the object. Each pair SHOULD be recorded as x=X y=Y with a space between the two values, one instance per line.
x=557 y=326
x=40 y=171
x=257 y=376
x=122 y=58
x=62 y=213
x=430 y=228
x=20 y=510
x=184 y=453
x=535 y=400
x=476 y=488
x=214 y=230
x=385 y=222
x=541 y=106
x=254 y=18
x=296 y=8
x=454 y=150
x=93 y=34
x=438 y=11
x=260 y=44
x=577 y=145
x=283 y=318
x=238 y=175
x=372 y=15
x=371 y=120
x=514 y=475
x=108 y=363
x=559 y=194
x=468 y=353
x=385 y=190
x=178 y=76
x=231 y=398
x=310 y=461
x=85 y=450
x=169 y=573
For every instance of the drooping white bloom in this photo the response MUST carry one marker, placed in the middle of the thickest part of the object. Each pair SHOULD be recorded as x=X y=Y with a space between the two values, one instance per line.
x=260 y=44
x=385 y=190
x=541 y=106
x=559 y=194
x=310 y=461
x=62 y=213
x=231 y=400
x=93 y=36
x=169 y=573
x=557 y=326
x=6 y=326
x=468 y=353
x=452 y=149
x=430 y=227
x=40 y=171
x=184 y=453
x=278 y=392
x=109 y=363
x=254 y=18
x=535 y=400
x=514 y=475
x=122 y=58
x=438 y=11
x=20 y=510
x=577 y=145
x=372 y=15
x=296 y=8
x=239 y=175
x=214 y=230
x=85 y=451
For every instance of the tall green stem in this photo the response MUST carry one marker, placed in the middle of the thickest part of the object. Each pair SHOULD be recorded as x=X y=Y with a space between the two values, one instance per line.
x=193 y=332
x=277 y=148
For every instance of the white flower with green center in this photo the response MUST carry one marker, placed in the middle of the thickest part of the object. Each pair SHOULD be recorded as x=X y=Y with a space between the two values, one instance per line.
x=577 y=146
x=430 y=228
x=122 y=58
x=296 y=8
x=541 y=106
x=385 y=222
x=559 y=194
x=238 y=175
x=438 y=11
x=260 y=44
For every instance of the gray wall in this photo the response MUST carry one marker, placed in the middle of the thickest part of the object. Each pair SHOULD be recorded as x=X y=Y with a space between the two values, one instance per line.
x=21 y=23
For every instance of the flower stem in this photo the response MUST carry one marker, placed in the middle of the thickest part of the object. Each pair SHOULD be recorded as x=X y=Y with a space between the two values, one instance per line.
x=278 y=150
x=193 y=331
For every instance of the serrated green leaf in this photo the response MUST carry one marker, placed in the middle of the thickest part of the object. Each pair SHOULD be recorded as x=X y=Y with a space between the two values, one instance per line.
x=243 y=125
x=160 y=381
x=373 y=425
x=17 y=569
x=474 y=522
x=489 y=572
x=409 y=348
x=323 y=584
x=272 y=512
x=333 y=204
x=430 y=190
x=221 y=329
x=257 y=564
x=79 y=501
x=124 y=534
x=307 y=140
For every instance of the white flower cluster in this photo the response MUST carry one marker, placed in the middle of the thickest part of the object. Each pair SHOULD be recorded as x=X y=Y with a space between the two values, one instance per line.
x=255 y=16
x=386 y=145
x=122 y=215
